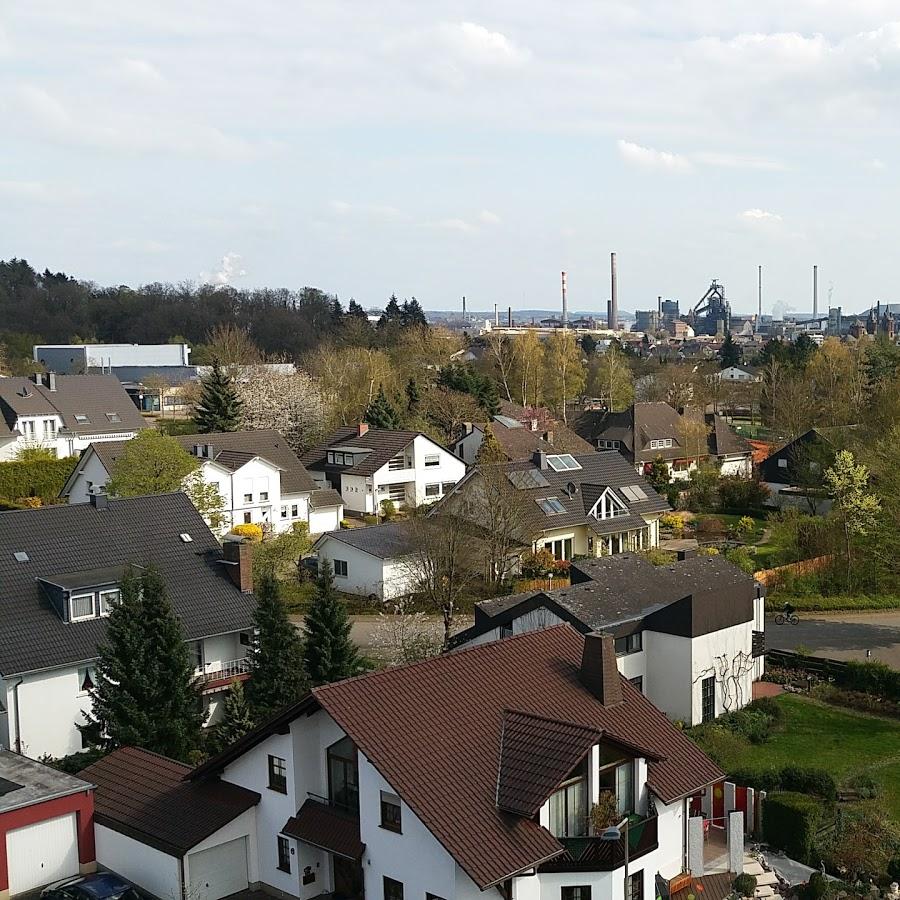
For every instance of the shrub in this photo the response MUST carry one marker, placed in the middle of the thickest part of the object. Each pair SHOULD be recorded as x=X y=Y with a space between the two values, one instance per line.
x=871 y=678
x=537 y=564
x=673 y=522
x=388 y=509
x=770 y=707
x=790 y=822
x=370 y=520
x=741 y=493
x=710 y=525
x=864 y=785
x=43 y=478
x=817 y=886
x=745 y=524
x=742 y=558
x=345 y=523
x=560 y=568
x=809 y=780
x=745 y=884
x=249 y=530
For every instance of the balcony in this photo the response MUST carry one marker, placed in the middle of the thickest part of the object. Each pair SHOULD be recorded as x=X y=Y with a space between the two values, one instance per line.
x=592 y=854
x=221 y=674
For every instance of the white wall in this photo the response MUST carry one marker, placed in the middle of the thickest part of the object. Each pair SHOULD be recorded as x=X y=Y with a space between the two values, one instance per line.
x=736 y=465
x=327 y=519
x=668 y=680
x=707 y=653
x=356 y=491
x=243 y=826
x=468 y=446
x=91 y=473
x=366 y=574
x=150 y=869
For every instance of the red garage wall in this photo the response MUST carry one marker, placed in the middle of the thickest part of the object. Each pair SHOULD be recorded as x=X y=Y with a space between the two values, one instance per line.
x=82 y=804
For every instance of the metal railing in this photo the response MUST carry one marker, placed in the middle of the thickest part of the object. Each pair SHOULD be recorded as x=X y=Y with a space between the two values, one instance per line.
x=230 y=668
x=593 y=854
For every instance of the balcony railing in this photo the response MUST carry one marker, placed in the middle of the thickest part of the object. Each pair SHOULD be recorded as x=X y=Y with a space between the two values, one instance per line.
x=225 y=671
x=593 y=854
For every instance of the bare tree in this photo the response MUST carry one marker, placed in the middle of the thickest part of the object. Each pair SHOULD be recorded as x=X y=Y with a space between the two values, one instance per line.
x=232 y=346
x=405 y=635
x=291 y=404
x=692 y=434
x=503 y=357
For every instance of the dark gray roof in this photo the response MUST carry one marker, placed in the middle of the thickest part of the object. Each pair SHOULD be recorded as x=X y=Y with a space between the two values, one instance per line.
x=25 y=781
x=93 y=396
x=386 y=541
x=137 y=375
x=76 y=539
x=382 y=444
x=323 y=498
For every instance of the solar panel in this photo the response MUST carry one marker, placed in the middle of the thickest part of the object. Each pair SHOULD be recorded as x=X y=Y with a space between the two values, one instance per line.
x=527 y=479
x=633 y=492
x=508 y=422
x=562 y=462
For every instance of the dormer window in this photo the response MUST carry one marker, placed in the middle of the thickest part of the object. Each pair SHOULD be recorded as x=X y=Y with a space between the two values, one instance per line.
x=81 y=606
x=108 y=599
x=608 y=506
x=82 y=419
x=569 y=804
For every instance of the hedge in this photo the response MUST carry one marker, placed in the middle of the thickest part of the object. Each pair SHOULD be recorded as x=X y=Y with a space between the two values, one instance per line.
x=809 y=780
x=43 y=478
x=871 y=678
x=790 y=822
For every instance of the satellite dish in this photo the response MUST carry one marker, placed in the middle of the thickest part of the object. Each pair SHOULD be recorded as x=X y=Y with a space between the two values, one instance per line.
x=571 y=489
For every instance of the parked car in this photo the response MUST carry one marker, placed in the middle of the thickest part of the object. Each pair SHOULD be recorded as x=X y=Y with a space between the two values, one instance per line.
x=102 y=886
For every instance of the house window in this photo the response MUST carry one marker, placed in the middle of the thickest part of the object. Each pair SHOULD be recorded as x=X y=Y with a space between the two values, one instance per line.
x=506 y=630
x=343 y=775
x=107 y=600
x=568 y=805
x=397 y=493
x=284 y=854
x=551 y=506
x=248 y=518
x=263 y=495
x=340 y=568
x=294 y=511
x=396 y=463
x=632 y=643
x=85 y=680
x=432 y=490
x=577 y=892
x=447 y=486
x=244 y=639
x=634 y=886
x=277 y=774
x=81 y=419
x=248 y=498
x=782 y=463
x=393 y=890
x=617 y=775
x=638 y=682
x=196 y=648
x=81 y=606
x=113 y=417
x=390 y=812
x=708 y=699
x=284 y=512
x=432 y=459
x=561 y=549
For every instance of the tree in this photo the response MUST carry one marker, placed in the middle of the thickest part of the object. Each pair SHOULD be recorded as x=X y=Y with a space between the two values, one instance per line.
x=4 y=361
x=392 y=315
x=412 y=315
x=564 y=370
x=291 y=404
x=277 y=675
x=448 y=411
x=355 y=311
x=282 y=553
x=208 y=500
x=220 y=407
x=482 y=387
x=232 y=346
x=657 y=473
x=692 y=435
x=502 y=350
x=730 y=352
x=144 y=692
x=528 y=372
x=151 y=463
x=588 y=345
x=329 y=653
x=381 y=413
x=237 y=718
x=611 y=379
x=855 y=509
x=413 y=395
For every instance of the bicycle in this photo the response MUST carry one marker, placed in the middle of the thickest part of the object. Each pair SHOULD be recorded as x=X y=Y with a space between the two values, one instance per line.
x=793 y=619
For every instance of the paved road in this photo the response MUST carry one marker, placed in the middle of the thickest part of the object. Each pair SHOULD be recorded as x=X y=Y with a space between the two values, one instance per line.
x=841 y=635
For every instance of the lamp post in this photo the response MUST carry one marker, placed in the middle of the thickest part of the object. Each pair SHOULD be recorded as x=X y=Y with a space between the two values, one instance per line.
x=615 y=833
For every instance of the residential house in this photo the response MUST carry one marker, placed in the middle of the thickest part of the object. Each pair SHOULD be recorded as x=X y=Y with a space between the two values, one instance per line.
x=741 y=373
x=61 y=568
x=374 y=561
x=258 y=476
x=79 y=359
x=689 y=635
x=64 y=413
x=588 y=505
x=368 y=466
x=46 y=825
x=471 y=772
x=648 y=431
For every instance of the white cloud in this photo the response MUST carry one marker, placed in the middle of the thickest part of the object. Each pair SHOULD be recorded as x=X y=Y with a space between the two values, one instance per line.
x=648 y=158
x=736 y=161
x=762 y=216
x=370 y=211
x=24 y=190
x=487 y=217
x=876 y=165
x=479 y=46
x=226 y=273
x=458 y=225
x=140 y=72
x=142 y=245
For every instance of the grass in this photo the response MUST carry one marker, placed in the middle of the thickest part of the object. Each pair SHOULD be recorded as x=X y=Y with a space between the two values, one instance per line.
x=844 y=742
x=834 y=603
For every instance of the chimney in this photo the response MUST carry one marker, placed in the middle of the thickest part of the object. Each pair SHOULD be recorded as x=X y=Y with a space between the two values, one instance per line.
x=464 y=306
x=565 y=307
x=197 y=450
x=614 y=294
x=815 y=291
x=509 y=316
x=539 y=458
x=759 y=288
x=362 y=428
x=237 y=554
x=659 y=304
x=496 y=317
x=548 y=437
x=99 y=501
x=51 y=380
x=599 y=672
x=37 y=378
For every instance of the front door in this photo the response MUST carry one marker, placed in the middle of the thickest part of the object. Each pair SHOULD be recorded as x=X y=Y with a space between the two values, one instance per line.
x=348 y=879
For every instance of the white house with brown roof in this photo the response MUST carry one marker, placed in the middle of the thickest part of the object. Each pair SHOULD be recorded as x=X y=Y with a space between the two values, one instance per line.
x=368 y=466
x=471 y=773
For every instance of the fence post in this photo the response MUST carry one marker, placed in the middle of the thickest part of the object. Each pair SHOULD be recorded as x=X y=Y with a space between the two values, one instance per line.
x=750 y=821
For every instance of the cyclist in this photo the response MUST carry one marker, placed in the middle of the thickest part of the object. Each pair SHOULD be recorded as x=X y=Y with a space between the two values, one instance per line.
x=788 y=611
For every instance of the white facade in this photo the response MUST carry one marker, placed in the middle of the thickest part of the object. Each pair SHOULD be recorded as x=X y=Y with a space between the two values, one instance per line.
x=78 y=358
x=48 y=704
x=737 y=373
x=358 y=572
x=44 y=432
x=156 y=872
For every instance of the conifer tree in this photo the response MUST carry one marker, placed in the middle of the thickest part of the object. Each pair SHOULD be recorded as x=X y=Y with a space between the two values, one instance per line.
x=220 y=407
x=413 y=395
x=392 y=314
x=412 y=315
x=328 y=651
x=730 y=352
x=355 y=311
x=381 y=413
x=144 y=692
x=277 y=678
x=237 y=718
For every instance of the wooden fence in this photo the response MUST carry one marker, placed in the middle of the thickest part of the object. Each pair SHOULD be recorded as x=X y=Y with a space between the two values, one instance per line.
x=815 y=665
x=770 y=577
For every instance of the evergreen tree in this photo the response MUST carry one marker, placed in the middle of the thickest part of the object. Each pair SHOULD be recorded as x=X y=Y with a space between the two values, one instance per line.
x=144 y=692
x=237 y=718
x=658 y=474
x=413 y=395
x=277 y=678
x=412 y=315
x=380 y=413
x=355 y=311
x=730 y=354
x=219 y=408
x=328 y=651
x=588 y=345
x=490 y=452
x=392 y=314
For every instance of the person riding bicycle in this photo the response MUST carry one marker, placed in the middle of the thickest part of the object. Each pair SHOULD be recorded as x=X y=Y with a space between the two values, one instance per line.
x=788 y=610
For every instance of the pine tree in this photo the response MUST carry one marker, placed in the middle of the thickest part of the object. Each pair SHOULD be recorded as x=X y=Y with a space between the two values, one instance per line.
x=355 y=311
x=277 y=678
x=730 y=353
x=328 y=651
x=413 y=395
x=380 y=413
x=412 y=315
x=220 y=407
x=144 y=692
x=337 y=311
x=237 y=718
x=392 y=314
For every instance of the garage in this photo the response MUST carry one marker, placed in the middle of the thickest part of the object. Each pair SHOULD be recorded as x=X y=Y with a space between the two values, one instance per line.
x=43 y=852
x=218 y=871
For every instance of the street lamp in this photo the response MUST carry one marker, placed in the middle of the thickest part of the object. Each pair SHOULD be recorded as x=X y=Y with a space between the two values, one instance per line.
x=615 y=833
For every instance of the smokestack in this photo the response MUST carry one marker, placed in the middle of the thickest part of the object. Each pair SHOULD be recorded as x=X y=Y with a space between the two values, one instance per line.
x=659 y=304
x=496 y=317
x=464 y=306
x=614 y=298
x=509 y=316
x=815 y=291
x=565 y=308
x=759 y=288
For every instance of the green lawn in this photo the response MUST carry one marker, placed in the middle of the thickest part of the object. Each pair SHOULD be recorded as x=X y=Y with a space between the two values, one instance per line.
x=751 y=537
x=842 y=741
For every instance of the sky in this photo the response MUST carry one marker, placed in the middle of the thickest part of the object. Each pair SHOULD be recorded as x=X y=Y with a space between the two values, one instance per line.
x=440 y=149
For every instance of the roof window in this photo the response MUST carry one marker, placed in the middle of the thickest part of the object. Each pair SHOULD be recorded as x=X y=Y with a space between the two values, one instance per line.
x=563 y=462
x=186 y=538
x=21 y=556
x=82 y=419
x=113 y=417
x=551 y=506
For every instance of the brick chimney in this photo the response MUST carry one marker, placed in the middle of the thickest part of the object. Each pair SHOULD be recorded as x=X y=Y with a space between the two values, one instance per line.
x=599 y=672
x=237 y=555
x=361 y=429
x=539 y=458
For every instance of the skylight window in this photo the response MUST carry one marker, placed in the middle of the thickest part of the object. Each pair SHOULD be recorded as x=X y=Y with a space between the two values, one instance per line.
x=186 y=538
x=551 y=506
x=563 y=462
x=634 y=493
x=20 y=556
x=113 y=417
x=82 y=419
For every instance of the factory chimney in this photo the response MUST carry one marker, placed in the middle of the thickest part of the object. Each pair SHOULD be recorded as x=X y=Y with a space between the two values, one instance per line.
x=509 y=316
x=659 y=304
x=614 y=299
x=496 y=317
x=815 y=291
x=759 y=288
x=565 y=308
x=464 y=306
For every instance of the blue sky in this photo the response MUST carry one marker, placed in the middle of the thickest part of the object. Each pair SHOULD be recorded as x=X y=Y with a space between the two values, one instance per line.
x=439 y=149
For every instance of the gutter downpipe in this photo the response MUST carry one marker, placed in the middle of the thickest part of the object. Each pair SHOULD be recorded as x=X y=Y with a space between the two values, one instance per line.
x=16 y=715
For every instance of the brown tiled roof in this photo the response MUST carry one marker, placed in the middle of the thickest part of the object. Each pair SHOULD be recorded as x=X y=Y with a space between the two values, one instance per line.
x=383 y=443
x=324 y=826
x=427 y=737
x=145 y=796
x=564 y=439
x=518 y=443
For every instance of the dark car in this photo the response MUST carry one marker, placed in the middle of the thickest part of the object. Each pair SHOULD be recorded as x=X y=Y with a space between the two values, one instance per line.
x=102 y=886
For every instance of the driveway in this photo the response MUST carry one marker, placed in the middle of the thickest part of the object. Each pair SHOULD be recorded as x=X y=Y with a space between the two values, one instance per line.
x=841 y=635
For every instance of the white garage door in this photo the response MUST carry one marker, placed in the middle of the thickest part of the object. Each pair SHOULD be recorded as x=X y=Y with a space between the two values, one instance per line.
x=219 y=871
x=41 y=853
